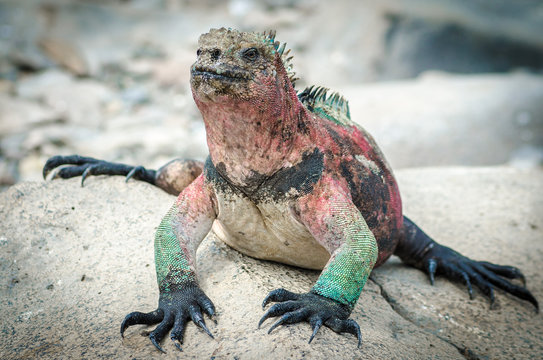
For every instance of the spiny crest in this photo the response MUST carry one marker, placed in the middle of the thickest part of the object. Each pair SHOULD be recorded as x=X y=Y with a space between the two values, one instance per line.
x=280 y=48
x=334 y=106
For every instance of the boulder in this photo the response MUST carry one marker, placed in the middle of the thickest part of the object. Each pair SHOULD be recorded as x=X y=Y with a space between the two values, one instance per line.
x=441 y=119
x=74 y=261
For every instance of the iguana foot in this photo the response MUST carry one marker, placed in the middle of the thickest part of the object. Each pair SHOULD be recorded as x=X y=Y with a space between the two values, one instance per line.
x=418 y=249
x=439 y=259
x=174 y=309
x=310 y=307
x=84 y=166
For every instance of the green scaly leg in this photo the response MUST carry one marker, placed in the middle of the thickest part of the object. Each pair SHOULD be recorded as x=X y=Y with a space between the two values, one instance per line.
x=334 y=295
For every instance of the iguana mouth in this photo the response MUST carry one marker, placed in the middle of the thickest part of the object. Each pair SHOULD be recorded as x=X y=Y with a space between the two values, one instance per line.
x=232 y=75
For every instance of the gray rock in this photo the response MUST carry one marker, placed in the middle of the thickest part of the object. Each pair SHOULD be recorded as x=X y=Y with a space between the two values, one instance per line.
x=20 y=26
x=35 y=87
x=519 y=21
x=75 y=260
x=441 y=119
x=19 y=115
x=66 y=54
x=79 y=101
x=8 y=172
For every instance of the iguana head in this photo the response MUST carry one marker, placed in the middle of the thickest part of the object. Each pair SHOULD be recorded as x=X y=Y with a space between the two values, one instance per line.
x=242 y=85
x=238 y=65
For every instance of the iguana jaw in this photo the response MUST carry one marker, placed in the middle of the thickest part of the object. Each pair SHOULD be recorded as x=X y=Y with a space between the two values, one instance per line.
x=213 y=82
x=224 y=74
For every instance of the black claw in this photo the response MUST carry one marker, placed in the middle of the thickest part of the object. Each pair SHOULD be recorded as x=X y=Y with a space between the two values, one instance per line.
x=279 y=309
x=279 y=295
x=57 y=161
x=345 y=325
x=137 y=170
x=198 y=319
x=85 y=174
x=161 y=330
x=423 y=252
x=156 y=343
x=202 y=324
x=177 y=345
x=460 y=272
x=178 y=329
x=431 y=268
x=69 y=172
x=505 y=285
x=465 y=270
x=176 y=342
x=137 y=318
x=468 y=285
x=207 y=306
x=276 y=324
x=316 y=324
x=485 y=287
x=354 y=328
x=509 y=272
x=290 y=318
x=175 y=308
x=492 y=298
x=310 y=307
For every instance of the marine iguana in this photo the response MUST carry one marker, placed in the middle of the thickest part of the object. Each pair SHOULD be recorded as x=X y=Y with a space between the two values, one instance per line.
x=289 y=178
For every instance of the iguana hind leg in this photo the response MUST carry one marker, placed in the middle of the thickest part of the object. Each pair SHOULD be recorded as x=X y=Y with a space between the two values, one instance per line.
x=172 y=177
x=419 y=250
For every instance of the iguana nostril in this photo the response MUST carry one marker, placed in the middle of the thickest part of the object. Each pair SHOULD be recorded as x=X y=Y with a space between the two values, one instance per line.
x=215 y=54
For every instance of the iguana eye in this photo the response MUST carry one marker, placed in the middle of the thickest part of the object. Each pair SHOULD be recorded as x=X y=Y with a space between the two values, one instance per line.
x=198 y=52
x=250 y=54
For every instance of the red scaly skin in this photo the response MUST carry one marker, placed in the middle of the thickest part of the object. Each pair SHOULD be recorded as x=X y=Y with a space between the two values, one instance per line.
x=262 y=128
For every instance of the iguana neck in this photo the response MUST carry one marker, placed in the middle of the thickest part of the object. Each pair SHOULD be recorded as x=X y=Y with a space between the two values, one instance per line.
x=249 y=140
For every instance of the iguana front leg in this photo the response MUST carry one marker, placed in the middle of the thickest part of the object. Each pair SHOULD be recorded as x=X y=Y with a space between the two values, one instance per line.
x=335 y=222
x=177 y=238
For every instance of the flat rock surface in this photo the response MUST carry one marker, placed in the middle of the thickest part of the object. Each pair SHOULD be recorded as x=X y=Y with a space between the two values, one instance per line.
x=75 y=260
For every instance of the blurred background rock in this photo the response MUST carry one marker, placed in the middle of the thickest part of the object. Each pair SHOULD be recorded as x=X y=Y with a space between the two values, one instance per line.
x=437 y=82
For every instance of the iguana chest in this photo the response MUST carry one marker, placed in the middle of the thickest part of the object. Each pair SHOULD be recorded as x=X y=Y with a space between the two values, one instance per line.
x=259 y=221
x=266 y=230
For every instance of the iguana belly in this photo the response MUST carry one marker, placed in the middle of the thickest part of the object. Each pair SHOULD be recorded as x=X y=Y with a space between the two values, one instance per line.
x=268 y=231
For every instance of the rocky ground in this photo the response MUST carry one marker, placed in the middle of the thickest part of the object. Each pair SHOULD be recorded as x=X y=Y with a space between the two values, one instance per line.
x=438 y=83
x=74 y=261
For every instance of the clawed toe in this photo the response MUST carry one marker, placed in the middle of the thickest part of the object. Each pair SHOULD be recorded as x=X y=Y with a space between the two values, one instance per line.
x=139 y=318
x=174 y=311
x=484 y=275
x=66 y=167
x=310 y=307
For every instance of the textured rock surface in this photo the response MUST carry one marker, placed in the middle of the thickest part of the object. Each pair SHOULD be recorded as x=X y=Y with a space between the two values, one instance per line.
x=492 y=214
x=75 y=260
x=454 y=120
